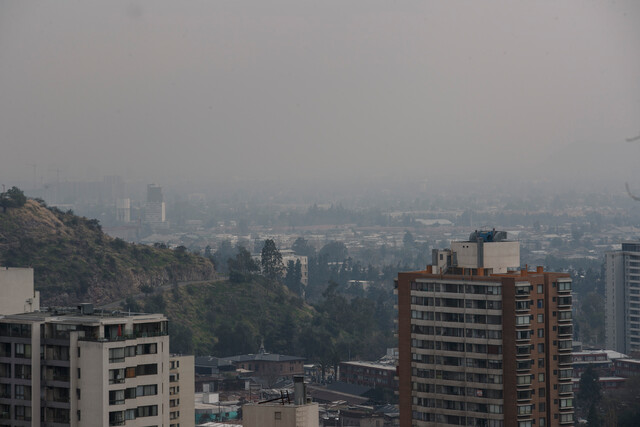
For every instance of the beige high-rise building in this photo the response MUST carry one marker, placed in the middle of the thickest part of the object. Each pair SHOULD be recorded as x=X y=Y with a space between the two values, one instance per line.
x=84 y=368
x=16 y=289
x=181 y=391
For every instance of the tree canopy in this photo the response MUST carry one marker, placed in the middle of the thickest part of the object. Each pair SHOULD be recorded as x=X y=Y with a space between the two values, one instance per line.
x=12 y=198
x=271 y=259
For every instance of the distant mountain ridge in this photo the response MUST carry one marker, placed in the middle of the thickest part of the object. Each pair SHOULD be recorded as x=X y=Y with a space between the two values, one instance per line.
x=75 y=261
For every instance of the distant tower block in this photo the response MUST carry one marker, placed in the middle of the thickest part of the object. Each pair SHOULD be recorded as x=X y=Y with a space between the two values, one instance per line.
x=123 y=210
x=155 y=207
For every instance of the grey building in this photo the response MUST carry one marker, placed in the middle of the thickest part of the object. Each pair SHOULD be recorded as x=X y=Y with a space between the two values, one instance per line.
x=622 y=308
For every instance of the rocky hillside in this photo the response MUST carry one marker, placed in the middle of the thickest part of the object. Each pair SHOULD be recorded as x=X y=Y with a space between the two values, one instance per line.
x=75 y=261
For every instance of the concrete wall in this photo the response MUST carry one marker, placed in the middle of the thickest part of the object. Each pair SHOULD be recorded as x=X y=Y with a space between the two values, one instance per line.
x=16 y=288
x=496 y=255
x=277 y=415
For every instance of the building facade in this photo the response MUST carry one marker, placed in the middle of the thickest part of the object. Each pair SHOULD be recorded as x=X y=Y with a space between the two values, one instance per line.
x=84 y=368
x=154 y=209
x=482 y=343
x=181 y=391
x=16 y=288
x=370 y=374
x=622 y=291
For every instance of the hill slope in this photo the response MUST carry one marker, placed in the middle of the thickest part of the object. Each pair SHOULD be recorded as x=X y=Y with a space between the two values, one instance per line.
x=75 y=261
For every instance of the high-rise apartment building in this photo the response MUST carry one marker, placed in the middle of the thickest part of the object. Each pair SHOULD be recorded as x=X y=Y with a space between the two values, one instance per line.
x=483 y=343
x=622 y=308
x=181 y=391
x=84 y=368
x=154 y=208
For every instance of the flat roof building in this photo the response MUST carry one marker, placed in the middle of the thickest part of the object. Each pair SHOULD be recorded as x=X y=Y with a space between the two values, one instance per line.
x=482 y=342
x=283 y=413
x=622 y=292
x=80 y=367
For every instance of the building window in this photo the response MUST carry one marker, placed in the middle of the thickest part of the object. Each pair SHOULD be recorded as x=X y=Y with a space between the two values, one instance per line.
x=541 y=392
x=540 y=289
x=130 y=372
x=277 y=415
x=23 y=350
x=116 y=355
x=22 y=371
x=116 y=397
x=541 y=348
x=23 y=392
x=147 y=411
x=540 y=318
x=541 y=362
x=130 y=414
x=23 y=413
x=541 y=378
x=541 y=333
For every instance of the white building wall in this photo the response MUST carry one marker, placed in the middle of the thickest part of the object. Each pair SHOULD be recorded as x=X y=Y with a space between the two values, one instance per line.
x=16 y=288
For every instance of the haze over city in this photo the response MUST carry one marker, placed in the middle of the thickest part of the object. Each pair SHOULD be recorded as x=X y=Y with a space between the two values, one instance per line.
x=315 y=92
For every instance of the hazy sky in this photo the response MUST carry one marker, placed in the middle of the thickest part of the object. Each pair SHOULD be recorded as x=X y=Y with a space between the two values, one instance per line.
x=303 y=90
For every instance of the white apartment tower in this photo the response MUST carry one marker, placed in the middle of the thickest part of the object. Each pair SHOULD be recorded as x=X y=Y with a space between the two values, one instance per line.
x=84 y=368
x=622 y=308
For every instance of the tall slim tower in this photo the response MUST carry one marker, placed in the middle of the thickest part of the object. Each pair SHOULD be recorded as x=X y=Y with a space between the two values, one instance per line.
x=622 y=308
x=483 y=343
x=155 y=207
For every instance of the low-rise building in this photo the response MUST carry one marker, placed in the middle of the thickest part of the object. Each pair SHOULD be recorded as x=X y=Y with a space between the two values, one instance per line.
x=371 y=374
x=300 y=413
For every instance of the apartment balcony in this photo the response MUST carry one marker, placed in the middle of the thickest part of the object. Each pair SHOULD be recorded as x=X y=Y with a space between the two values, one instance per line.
x=565 y=330
x=565 y=359
x=524 y=365
x=565 y=345
x=565 y=317
x=566 y=418
x=565 y=389
x=523 y=351
x=564 y=301
x=523 y=291
x=523 y=396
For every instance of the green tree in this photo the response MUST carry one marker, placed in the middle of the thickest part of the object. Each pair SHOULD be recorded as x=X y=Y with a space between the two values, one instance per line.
x=241 y=266
x=302 y=247
x=12 y=198
x=181 y=338
x=334 y=251
x=222 y=255
x=590 y=391
x=293 y=277
x=271 y=260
